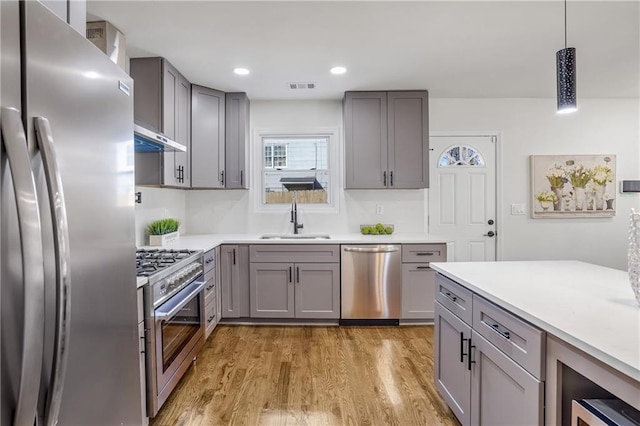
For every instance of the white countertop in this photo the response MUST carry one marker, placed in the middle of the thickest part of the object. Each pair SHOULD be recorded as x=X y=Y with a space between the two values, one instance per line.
x=208 y=241
x=588 y=306
x=142 y=281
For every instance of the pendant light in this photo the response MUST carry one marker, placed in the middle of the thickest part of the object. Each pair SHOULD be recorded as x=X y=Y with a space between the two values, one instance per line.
x=566 y=74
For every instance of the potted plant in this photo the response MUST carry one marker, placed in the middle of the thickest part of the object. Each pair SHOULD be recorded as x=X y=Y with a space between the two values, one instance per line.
x=546 y=199
x=163 y=231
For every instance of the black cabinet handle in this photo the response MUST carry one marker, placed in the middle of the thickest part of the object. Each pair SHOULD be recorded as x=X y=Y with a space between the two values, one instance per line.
x=222 y=177
x=234 y=256
x=384 y=178
x=423 y=267
x=450 y=296
x=469 y=359
x=462 y=340
x=297 y=274
x=290 y=273
x=391 y=178
x=424 y=253
x=504 y=333
x=241 y=177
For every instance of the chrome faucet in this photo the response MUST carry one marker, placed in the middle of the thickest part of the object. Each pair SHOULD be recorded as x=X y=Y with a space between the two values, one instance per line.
x=294 y=215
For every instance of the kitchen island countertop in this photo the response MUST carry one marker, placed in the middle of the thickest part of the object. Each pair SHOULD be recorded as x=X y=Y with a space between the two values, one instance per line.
x=588 y=306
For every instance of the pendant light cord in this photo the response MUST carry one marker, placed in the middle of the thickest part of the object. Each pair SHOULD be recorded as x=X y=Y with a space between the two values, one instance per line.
x=565 y=24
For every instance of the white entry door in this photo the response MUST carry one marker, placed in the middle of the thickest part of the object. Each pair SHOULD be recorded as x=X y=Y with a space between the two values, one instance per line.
x=462 y=194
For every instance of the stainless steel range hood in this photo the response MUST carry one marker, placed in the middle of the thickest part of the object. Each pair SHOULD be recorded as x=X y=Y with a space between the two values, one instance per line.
x=149 y=141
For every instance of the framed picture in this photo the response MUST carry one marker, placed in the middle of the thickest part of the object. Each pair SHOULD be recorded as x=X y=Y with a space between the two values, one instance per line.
x=571 y=186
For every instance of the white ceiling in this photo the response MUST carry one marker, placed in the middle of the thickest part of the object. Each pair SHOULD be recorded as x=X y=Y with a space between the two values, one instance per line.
x=473 y=49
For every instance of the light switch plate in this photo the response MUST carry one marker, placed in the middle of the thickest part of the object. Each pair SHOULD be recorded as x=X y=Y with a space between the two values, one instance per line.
x=518 y=209
x=379 y=209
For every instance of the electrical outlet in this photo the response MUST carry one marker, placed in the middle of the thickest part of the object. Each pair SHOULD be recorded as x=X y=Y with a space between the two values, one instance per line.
x=379 y=209
x=518 y=209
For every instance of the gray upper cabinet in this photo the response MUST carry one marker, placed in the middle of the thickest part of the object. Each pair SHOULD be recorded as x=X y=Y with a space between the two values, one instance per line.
x=237 y=141
x=162 y=103
x=386 y=140
x=207 y=138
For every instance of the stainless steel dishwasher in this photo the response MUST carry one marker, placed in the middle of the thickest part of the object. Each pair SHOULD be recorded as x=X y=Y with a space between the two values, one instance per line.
x=371 y=276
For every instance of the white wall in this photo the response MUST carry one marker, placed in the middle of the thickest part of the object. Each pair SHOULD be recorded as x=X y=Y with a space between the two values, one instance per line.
x=531 y=127
x=159 y=203
x=526 y=127
x=234 y=211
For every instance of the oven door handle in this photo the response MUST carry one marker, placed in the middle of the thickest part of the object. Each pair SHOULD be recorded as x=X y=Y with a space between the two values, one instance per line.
x=186 y=295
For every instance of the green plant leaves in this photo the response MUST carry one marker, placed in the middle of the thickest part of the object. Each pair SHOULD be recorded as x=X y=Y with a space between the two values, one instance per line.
x=163 y=226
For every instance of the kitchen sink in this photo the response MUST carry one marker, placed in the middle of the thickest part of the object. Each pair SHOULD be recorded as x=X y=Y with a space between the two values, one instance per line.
x=295 y=237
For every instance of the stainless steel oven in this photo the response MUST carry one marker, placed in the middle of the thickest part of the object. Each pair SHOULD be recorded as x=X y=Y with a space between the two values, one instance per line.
x=174 y=319
x=179 y=327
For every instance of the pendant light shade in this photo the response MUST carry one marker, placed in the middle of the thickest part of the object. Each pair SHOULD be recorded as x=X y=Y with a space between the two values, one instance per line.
x=566 y=74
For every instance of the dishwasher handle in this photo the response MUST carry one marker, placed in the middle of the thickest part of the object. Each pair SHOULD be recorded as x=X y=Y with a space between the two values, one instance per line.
x=387 y=249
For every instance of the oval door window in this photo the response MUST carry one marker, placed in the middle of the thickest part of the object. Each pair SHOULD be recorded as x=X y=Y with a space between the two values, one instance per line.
x=461 y=155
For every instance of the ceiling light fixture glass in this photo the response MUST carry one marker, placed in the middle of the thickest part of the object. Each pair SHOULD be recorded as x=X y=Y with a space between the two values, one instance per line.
x=566 y=74
x=241 y=71
x=338 y=70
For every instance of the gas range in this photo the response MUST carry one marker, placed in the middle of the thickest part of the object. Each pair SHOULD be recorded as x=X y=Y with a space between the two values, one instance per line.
x=168 y=271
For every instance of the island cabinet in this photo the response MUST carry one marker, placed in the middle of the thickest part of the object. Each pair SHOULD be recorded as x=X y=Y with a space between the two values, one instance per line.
x=207 y=138
x=419 y=280
x=162 y=103
x=489 y=364
x=295 y=281
x=234 y=271
x=386 y=140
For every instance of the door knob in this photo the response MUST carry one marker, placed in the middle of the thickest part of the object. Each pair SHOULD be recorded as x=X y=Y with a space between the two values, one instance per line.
x=490 y=234
x=490 y=222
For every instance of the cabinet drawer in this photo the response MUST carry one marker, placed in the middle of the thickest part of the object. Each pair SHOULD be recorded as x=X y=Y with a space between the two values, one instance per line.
x=304 y=253
x=140 y=305
x=209 y=260
x=424 y=253
x=210 y=317
x=519 y=340
x=209 y=286
x=454 y=297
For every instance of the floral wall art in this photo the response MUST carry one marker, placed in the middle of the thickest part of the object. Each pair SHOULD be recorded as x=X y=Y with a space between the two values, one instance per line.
x=570 y=186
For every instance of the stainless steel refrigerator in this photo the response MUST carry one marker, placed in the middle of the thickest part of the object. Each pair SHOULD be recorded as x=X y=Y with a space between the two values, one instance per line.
x=68 y=323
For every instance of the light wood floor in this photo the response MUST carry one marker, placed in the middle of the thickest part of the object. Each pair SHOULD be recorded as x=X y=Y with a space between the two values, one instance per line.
x=264 y=375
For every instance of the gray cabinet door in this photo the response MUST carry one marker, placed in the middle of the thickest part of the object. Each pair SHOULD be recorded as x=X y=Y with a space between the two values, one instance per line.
x=272 y=290
x=317 y=290
x=502 y=392
x=418 y=291
x=229 y=281
x=207 y=137
x=170 y=84
x=408 y=138
x=365 y=128
x=183 y=132
x=236 y=140
x=218 y=286
x=452 y=372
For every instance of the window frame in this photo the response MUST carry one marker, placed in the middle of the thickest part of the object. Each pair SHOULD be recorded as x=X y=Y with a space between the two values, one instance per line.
x=333 y=164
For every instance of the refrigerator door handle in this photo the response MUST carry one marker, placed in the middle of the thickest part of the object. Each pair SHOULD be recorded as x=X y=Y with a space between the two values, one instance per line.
x=15 y=143
x=63 y=260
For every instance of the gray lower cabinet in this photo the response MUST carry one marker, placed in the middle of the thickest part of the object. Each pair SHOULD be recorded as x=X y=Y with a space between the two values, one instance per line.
x=207 y=137
x=486 y=383
x=452 y=371
x=386 y=140
x=234 y=280
x=210 y=292
x=142 y=359
x=237 y=139
x=219 y=286
x=162 y=103
x=502 y=392
x=295 y=290
x=418 y=291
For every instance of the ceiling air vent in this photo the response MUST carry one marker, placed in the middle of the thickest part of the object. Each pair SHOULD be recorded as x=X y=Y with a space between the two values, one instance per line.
x=296 y=86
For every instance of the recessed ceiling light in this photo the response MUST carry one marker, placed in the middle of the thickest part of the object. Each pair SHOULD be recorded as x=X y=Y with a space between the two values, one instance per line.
x=338 y=70
x=241 y=71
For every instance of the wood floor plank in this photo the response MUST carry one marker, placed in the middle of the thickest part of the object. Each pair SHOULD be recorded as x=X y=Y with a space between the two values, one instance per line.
x=294 y=376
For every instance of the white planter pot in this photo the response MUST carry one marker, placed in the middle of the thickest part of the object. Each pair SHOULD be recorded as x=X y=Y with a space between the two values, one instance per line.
x=160 y=240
